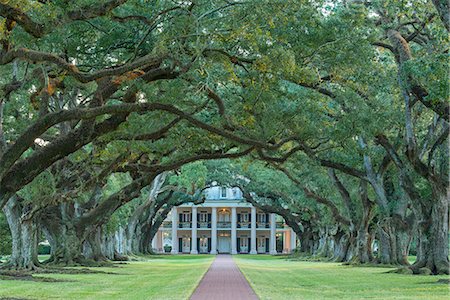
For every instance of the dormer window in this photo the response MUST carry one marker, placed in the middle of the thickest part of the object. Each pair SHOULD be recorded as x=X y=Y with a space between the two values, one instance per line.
x=223 y=192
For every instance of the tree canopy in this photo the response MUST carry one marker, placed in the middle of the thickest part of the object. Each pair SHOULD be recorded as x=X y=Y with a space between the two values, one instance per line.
x=319 y=108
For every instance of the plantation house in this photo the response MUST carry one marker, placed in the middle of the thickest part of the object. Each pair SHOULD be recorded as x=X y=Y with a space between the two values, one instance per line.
x=224 y=223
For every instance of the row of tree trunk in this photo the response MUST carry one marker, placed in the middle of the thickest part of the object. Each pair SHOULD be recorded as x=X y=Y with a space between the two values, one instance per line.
x=74 y=240
x=70 y=246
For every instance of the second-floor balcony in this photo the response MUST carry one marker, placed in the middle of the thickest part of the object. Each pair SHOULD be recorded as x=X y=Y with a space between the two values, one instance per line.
x=184 y=225
x=167 y=224
x=262 y=225
x=199 y=225
x=203 y=224
x=223 y=224
x=244 y=225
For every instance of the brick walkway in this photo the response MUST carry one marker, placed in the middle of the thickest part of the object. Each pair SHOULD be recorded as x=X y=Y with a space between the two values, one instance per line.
x=223 y=281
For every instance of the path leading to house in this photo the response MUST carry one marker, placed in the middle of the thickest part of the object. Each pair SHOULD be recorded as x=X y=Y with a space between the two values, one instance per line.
x=224 y=281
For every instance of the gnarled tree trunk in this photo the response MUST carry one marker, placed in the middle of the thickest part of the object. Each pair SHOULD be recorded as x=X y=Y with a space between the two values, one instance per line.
x=66 y=244
x=24 y=237
x=432 y=248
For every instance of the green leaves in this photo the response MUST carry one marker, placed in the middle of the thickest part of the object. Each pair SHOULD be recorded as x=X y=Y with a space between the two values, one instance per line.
x=192 y=177
x=115 y=183
x=41 y=190
x=304 y=70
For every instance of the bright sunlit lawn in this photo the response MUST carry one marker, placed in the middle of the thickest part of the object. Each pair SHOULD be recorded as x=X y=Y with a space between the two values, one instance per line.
x=158 y=277
x=277 y=278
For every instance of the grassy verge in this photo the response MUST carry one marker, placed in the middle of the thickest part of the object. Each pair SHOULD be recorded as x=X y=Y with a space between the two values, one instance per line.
x=277 y=278
x=155 y=277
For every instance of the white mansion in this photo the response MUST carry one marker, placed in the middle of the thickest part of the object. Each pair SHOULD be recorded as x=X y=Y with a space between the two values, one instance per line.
x=224 y=223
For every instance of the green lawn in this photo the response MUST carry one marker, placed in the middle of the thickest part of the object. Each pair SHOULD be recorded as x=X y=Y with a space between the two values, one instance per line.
x=175 y=277
x=158 y=277
x=277 y=278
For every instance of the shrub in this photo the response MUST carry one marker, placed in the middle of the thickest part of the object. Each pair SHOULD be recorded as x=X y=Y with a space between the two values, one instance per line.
x=5 y=236
x=43 y=249
x=167 y=248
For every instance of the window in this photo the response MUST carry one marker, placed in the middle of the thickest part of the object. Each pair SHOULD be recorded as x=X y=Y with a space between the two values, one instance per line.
x=261 y=218
x=203 y=217
x=244 y=217
x=224 y=215
x=186 y=216
x=223 y=192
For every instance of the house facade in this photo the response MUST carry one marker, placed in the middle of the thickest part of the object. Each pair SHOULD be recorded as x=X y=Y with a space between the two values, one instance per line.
x=224 y=223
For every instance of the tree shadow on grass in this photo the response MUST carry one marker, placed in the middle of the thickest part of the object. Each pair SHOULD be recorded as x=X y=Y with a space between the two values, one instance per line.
x=73 y=271
x=439 y=281
x=28 y=276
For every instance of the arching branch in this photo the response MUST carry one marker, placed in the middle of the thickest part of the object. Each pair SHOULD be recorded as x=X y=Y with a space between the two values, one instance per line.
x=135 y=67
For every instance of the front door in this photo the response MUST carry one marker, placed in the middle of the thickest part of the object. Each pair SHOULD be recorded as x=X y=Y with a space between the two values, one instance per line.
x=244 y=244
x=203 y=245
x=261 y=245
x=224 y=244
x=186 y=245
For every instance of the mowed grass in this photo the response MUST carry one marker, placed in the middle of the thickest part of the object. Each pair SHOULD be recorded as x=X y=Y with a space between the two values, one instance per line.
x=277 y=278
x=156 y=277
x=272 y=277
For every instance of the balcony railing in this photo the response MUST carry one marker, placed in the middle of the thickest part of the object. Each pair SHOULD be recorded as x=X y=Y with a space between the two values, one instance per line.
x=223 y=224
x=184 y=225
x=203 y=224
x=167 y=224
x=262 y=225
x=244 y=225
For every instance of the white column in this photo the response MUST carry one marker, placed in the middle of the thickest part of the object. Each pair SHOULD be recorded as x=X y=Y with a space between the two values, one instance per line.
x=253 y=232
x=214 y=231
x=293 y=240
x=159 y=241
x=154 y=242
x=273 y=228
x=287 y=237
x=194 y=231
x=233 y=230
x=174 y=231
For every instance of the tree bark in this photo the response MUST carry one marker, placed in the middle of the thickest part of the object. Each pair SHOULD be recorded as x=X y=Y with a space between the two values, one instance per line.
x=24 y=237
x=363 y=253
x=433 y=223
x=387 y=233
x=393 y=244
x=309 y=240
x=65 y=242
x=386 y=253
x=433 y=249
x=145 y=211
x=363 y=247
x=98 y=246
x=442 y=7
